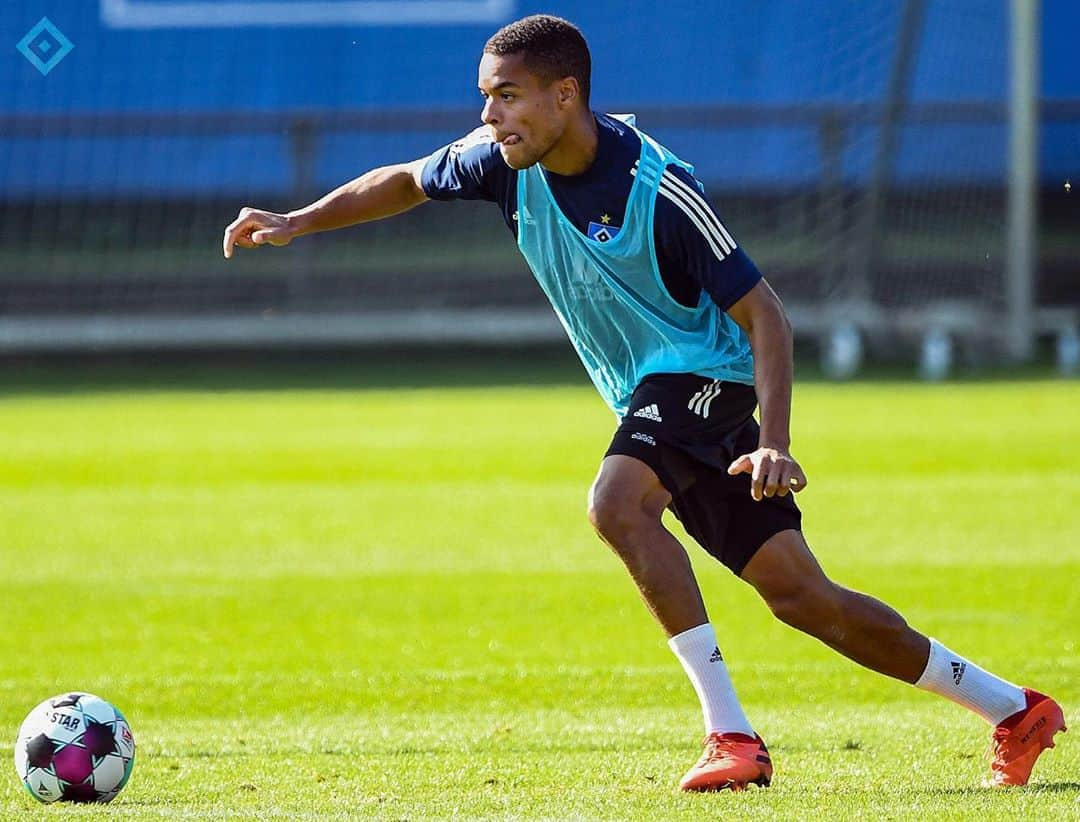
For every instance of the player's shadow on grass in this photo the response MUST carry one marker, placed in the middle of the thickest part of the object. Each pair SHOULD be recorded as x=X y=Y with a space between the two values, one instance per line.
x=1038 y=787
x=1053 y=787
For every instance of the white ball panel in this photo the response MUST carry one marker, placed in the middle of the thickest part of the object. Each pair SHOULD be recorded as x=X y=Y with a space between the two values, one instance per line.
x=35 y=721
x=108 y=797
x=125 y=740
x=21 y=762
x=44 y=785
x=63 y=724
x=97 y=708
x=108 y=773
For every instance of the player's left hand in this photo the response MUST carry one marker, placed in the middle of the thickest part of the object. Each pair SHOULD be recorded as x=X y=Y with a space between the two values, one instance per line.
x=772 y=472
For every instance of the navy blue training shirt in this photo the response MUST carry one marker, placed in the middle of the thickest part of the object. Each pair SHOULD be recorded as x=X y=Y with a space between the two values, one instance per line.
x=694 y=250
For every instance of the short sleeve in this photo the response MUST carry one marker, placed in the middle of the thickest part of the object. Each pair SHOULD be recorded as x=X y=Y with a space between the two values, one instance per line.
x=694 y=248
x=471 y=168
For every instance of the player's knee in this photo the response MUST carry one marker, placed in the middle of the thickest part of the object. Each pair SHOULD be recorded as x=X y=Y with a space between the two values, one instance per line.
x=626 y=503
x=616 y=520
x=608 y=518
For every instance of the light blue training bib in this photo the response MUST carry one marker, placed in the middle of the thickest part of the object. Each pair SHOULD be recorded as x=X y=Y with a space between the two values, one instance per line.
x=611 y=298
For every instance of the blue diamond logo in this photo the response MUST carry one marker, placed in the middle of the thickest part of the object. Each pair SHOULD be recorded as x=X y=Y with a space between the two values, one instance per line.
x=44 y=46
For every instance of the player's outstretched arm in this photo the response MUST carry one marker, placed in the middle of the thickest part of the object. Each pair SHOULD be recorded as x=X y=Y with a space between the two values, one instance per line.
x=771 y=467
x=379 y=193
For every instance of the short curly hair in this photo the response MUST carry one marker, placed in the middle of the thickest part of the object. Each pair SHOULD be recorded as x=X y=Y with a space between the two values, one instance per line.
x=552 y=47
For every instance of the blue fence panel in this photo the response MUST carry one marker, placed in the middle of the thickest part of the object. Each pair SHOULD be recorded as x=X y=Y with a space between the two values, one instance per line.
x=768 y=52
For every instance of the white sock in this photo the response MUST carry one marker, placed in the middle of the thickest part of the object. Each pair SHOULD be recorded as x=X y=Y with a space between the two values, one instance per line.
x=700 y=657
x=965 y=683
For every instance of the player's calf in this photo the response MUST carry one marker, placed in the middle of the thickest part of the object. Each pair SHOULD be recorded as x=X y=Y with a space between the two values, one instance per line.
x=787 y=576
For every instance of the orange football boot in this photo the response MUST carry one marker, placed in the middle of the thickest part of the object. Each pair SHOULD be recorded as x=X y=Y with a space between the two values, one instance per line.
x=731 y=762
x=1019 y=739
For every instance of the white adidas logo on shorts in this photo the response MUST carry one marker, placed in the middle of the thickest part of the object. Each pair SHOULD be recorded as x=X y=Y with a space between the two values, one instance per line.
x=649 y=412
x=701 y=401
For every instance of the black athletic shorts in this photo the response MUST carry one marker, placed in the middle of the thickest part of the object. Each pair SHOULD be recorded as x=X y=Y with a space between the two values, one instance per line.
x=689 y=429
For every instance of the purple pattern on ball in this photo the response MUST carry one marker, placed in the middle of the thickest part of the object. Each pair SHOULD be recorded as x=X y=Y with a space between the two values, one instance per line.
x=73 y=764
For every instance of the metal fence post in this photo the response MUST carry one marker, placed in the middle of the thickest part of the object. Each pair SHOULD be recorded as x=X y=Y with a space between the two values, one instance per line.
x=1023 y=147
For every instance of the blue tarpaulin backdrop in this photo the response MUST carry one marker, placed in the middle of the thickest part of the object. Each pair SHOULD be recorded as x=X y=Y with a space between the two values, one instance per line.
x=757 y=52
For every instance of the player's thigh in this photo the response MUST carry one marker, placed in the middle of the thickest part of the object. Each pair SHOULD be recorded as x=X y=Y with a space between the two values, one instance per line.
x=785 y=567
x=625 y=487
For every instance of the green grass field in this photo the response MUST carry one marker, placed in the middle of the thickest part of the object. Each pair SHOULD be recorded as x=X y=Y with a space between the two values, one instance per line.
x=387 y=602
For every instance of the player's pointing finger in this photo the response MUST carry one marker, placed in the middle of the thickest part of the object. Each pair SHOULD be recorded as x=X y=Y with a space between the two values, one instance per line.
x=235 y=234
x=230 y=237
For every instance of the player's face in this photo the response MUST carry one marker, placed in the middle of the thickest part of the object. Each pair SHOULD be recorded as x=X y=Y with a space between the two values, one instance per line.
x=523 y=112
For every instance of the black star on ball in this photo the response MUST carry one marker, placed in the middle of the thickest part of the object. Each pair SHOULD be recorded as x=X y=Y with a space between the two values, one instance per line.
x=99 y=739
x=39 y=751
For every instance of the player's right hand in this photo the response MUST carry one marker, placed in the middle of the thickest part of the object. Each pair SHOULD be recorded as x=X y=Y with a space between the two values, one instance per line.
x=254 y=227
x=773 y=472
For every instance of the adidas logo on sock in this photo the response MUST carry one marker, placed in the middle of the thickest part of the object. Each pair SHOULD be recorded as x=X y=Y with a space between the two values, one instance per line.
x=649 y=412
x=716 y=655
x=958 y=669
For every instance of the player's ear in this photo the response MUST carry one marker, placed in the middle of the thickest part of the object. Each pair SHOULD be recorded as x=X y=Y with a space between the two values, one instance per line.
x=568 y=91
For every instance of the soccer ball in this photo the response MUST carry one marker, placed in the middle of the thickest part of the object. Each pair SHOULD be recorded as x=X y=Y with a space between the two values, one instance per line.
x=74 y=748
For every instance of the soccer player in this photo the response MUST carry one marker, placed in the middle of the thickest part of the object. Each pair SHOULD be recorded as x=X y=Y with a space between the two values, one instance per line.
x=683 y=338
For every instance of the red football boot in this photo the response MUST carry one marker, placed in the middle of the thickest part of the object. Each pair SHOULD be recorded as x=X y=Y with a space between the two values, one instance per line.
x=731 y=762
x=1019 y=739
